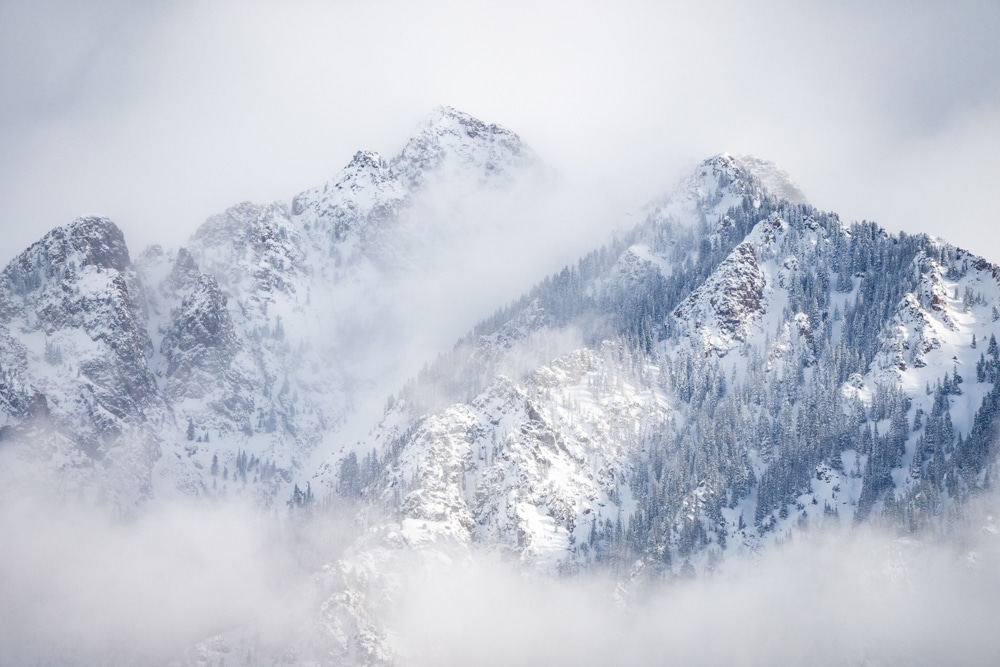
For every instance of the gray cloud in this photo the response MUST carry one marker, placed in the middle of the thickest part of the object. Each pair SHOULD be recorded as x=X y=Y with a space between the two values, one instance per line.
x=163 y=115
x=80 y=588
x=825 y=599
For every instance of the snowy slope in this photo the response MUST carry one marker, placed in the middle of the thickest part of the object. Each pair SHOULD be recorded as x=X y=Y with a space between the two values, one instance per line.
x=734 y=369
x=779 y=357
x=310 y=304
x=81 y=406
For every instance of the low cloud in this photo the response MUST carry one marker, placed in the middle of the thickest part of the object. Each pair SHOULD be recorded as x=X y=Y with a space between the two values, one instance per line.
x=826 y=599
x=159 y=117
x=81 y=588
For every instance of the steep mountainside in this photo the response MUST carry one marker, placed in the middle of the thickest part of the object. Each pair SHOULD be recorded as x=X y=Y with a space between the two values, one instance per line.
x=77 y=394
x=737 y=368
x=227 y=362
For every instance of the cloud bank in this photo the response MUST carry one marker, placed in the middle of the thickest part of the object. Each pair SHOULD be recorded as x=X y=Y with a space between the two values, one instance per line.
x=82 y=589
x=161 y=115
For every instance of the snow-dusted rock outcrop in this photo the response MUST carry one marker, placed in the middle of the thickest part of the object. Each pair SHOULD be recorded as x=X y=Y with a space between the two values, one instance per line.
x=721 y=311
x=82 y=398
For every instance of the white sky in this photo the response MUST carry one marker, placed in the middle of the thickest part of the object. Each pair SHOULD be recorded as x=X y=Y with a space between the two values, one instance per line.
x=160 y=114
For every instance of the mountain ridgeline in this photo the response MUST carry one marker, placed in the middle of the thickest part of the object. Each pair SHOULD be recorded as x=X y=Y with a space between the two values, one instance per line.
x=222 y=366
x=735 y=368
x=746 y=366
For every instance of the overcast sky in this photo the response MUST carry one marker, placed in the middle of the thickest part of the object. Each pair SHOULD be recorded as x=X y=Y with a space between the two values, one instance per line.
x=160 y=114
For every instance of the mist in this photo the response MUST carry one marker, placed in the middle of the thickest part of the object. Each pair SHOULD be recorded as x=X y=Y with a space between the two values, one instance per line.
x=828 y=598
x=454 y=257
x=159 y=115
x=81 y=587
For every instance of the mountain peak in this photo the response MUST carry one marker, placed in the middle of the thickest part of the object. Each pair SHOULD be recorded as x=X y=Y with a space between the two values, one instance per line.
x=725 y=168
x=722 y=180
x=87 y=241
x=450 y=117
x=774 y=179
x=454 y=140
x=94 y=240
x=444 y=112
x=367 y=160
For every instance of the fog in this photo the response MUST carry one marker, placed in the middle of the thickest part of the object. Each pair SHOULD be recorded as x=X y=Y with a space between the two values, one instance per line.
x=161 y=114
x=826 y=599
x=81 y=588
x=455 y=256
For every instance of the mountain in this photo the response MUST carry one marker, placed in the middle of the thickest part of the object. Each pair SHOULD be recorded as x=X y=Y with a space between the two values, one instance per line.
x=222 y=366
x=746 y=365
x=736 y=368
x=77 y=393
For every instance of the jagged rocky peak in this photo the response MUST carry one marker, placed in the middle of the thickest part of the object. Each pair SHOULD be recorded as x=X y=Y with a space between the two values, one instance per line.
x=366 y=191
x=774 y=179
x=369 y=161
x=85 y=242
x=79 y=276
x=718 y=174
x=450 y=138
x=250 y=240
x=725 y=174
x=360 y=211
x=200 y=339
x=713 y=188
x=90 y=241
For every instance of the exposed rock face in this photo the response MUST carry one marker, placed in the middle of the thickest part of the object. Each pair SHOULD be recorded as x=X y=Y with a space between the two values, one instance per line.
x=14 y=399
x=185 y=273
x=909 y=337
x=250 y=240
x=933 y=293
x=76 y=309
x=451 y=139
x=366 y=193
x=200 y=343
x=730 y=301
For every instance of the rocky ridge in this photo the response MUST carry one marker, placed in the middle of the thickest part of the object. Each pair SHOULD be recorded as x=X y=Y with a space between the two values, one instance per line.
x=240 y=352
x=737 y=367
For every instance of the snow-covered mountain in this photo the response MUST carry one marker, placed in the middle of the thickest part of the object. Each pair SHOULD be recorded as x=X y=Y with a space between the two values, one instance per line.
x=77 y=395
x=735 y=368
x=740 y=367
x=232 y=359
x=773 y=364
